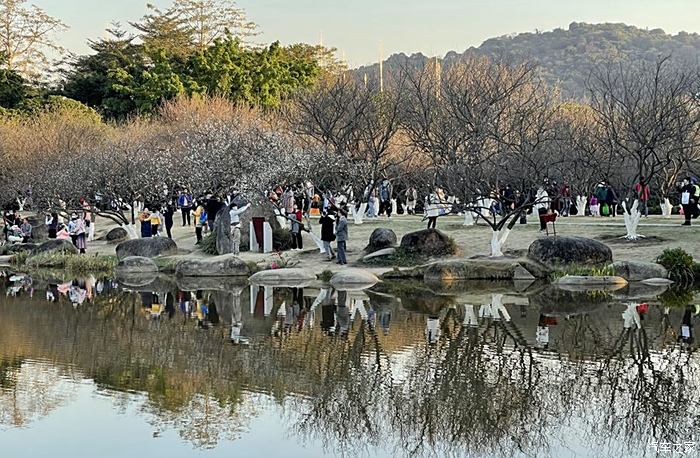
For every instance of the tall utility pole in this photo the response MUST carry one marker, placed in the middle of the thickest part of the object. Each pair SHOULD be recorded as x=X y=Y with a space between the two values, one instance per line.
x=381 y=68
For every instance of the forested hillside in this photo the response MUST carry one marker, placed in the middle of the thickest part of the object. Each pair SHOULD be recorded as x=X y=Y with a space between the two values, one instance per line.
x=566 y=56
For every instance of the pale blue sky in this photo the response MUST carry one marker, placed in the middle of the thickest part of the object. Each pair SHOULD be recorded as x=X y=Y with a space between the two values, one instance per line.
x=358 y=27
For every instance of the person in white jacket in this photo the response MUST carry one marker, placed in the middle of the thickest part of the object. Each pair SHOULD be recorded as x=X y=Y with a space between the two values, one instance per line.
x=234 y=213
x=542 y=204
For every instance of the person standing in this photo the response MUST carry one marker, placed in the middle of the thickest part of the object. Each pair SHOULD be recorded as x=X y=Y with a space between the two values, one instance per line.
x=212 y=207
x=52 y=224
x=87 y=215
x=168 y=213
x=689 y=200
x=145 y=219
x=611 y=200
x=26 y=229
x=327 y=235
x=643 y=194
x=76 y=227
x=184 y=201
x=385 y=194
x=234 y=214
x=411 y=199
x=341 y=235
x=199 y=221
x=601 y=193
x=566 y=200
x=295 y=229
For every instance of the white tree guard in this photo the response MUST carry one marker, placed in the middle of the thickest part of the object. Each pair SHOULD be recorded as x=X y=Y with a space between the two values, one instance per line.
x=358 y=215
x=632 y=217
x=581 y=205
x=498 y=241
x=666 y=208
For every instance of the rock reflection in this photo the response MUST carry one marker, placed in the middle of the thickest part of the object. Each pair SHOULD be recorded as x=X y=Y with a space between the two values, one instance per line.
x=479 y=371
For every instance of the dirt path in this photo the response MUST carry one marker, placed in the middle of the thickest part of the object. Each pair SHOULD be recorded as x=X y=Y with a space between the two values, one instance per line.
x=661 y=233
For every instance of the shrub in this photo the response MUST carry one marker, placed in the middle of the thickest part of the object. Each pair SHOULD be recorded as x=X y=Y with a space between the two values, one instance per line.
x=208 y=245
x=281 y=239
x=680 y=265
x=72 y=262
x=400 y=258
x=584 y=271
x=325 y=276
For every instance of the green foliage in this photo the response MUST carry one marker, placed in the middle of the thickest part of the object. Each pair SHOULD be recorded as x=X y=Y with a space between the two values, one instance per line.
x=676 y=297
x=13 y=88
x=20 y=258
x=208 y=245
x=70 y=262
x=680 y=265
x=400 y=258
x=325 y=276
x=281 y=239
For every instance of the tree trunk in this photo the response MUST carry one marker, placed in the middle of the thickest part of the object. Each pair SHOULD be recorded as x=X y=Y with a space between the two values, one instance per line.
x=581 y=205
x=469 y=218
x=130 y=229
x=666 y=208
x=632 y=217
x=358 y=215
x=498 y=241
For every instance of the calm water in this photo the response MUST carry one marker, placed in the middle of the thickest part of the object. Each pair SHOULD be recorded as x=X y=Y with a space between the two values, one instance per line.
x=94 y=367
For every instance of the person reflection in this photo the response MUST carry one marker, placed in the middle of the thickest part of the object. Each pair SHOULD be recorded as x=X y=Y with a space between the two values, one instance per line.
x=343 y=314
x=542 y=332
x=237 y=322
x=52 y=293
x=201 y=310
x=385 y=320
x=432 y=329
x=328 y=312
x=686 y=331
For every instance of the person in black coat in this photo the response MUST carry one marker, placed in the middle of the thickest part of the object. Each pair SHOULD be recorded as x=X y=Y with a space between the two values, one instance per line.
x=327 y=233
x=168 y=213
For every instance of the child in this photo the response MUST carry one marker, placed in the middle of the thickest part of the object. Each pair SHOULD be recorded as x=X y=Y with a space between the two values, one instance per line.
x=595 y=208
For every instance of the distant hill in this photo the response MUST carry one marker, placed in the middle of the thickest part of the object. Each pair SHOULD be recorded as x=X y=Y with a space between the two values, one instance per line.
x=566 y=56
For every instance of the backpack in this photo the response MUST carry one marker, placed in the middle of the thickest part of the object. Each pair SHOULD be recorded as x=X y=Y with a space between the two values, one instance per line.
x=203 y=217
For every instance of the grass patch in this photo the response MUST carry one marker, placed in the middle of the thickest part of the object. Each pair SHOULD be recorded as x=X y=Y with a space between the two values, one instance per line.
x=20 y=258
x=325 y=276
x=71 y=262
x=400 y=258
x=584 y=271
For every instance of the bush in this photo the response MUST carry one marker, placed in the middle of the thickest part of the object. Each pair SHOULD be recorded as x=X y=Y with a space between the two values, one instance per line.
x=281 y=239
x=73 y=263
x=208 y=245
x=325 y=276
x=400 y=258
x=680 y=265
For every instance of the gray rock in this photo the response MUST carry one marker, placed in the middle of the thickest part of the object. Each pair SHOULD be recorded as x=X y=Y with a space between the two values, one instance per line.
x=55 y=246
x=136 y=264
x=222 y=230
x=428 y=242
x=149 y=247
x=226 y=265
x=565 y=251
x=639 y=270
x=116 y=234
x=379 y=253
x=39 y=230
x=353 y=279
x=381 y=238
x=282 y=277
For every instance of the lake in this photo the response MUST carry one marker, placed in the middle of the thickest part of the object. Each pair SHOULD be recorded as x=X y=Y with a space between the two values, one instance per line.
x=216 y=367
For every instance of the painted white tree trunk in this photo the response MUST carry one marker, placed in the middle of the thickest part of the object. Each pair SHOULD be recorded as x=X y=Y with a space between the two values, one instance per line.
x=470 y=316
x=21 y=203
x=632 y=217
x=666 y=208
x=359 y=215
x=469 y=218
x=130 y=230
x=581 y=205
x=91 y=232
x=394 y=207
x=498 y=241
x=485 y=205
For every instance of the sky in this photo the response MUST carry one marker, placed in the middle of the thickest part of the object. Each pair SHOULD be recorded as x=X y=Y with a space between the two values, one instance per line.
x=362 y=29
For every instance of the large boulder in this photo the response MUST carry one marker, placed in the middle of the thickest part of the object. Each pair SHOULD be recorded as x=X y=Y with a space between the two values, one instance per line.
x=264 y=210
x=353 y=279
x=282 y=277
x=566 y=251
x=55 y=246
x=226 y=265
x=222 y=231
x=638 y=270
x=380 y=239
x=116 y=235
x=136 y=264
x=39 y=230
x=16 y=248
x=148 y=247
x=481 y=269
x=428 y=242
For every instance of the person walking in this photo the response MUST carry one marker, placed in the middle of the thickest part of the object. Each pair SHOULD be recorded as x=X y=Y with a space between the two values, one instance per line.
x=327 y=234
x=690 y=194
x=235 y=213
x=432 y=209
x=184 y=202
x=601 y=193
x=168 y=213
x=611 y=200
x=643 y=194
x=341 y=235
x=566 y=199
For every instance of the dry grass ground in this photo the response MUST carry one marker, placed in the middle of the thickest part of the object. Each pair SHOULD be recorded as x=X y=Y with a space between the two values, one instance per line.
x=661 y=233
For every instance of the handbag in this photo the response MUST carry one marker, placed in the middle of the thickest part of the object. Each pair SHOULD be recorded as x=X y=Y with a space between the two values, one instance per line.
x=685 y=198
x=605 y=211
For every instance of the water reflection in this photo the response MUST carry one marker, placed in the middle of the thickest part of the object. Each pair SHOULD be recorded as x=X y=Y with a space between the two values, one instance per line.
x=476 y=370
